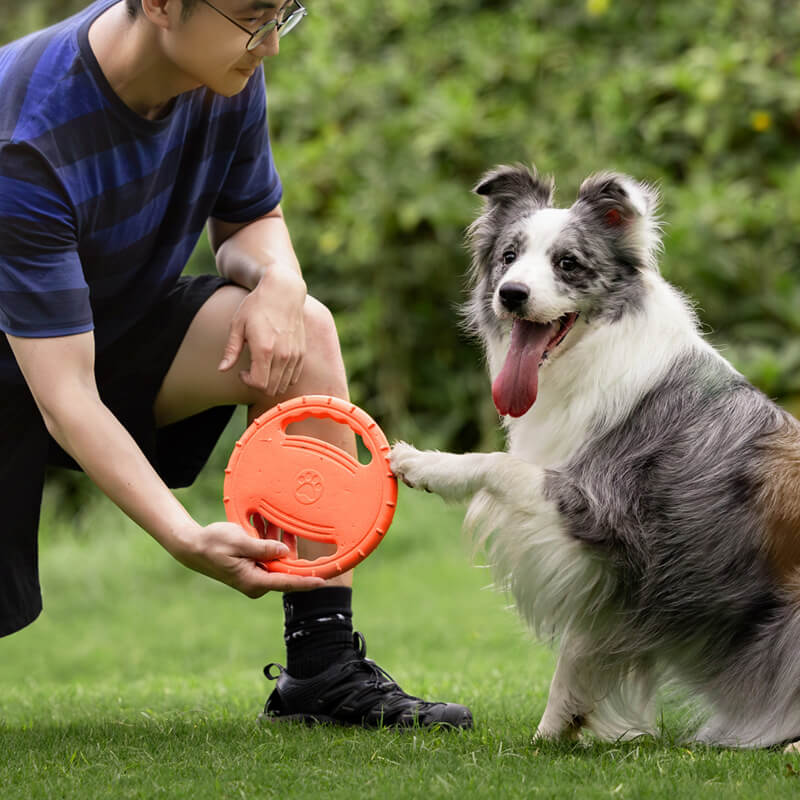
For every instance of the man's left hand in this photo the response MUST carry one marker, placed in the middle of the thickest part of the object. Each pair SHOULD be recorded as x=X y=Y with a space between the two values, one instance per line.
x=270 y=322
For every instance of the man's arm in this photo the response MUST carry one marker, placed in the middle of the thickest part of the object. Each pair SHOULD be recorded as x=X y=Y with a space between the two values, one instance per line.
x=60 y=374
x=266 y=241
x=259 y=256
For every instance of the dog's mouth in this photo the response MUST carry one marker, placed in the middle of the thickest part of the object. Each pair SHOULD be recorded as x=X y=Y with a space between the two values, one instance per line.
x=514 y=390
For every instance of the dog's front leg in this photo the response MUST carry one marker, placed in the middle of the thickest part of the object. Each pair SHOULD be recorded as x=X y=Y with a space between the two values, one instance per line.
x=458 y=477
x=568 y=703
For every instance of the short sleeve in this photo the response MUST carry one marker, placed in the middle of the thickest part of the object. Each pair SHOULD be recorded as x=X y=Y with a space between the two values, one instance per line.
x=43 y=291
x=252 y=186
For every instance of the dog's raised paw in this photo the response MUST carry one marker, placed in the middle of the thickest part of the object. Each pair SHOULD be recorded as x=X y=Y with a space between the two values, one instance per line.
x=406 y=462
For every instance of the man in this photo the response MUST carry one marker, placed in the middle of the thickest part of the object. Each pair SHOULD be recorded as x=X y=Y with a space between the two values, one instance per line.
x=123 y=130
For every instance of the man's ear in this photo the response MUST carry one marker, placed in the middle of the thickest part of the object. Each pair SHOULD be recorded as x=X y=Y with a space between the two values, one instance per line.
x=504 y=185
x=160 y=12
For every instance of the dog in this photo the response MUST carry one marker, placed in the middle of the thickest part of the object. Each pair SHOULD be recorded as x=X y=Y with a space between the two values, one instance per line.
x=646 y=514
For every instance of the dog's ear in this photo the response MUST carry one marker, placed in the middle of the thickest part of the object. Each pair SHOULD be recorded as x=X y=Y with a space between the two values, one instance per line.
x=510 y=192
x=505 y=185
x=624 y=206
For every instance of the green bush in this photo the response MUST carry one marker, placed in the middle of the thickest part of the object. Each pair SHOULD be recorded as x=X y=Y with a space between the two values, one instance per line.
x=385 y=114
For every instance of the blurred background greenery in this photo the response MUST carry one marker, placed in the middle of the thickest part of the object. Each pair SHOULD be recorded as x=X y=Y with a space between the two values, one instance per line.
x=384 y=113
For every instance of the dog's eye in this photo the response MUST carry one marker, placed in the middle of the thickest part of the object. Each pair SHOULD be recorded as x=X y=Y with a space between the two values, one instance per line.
x=568 y=263
x=509 y=257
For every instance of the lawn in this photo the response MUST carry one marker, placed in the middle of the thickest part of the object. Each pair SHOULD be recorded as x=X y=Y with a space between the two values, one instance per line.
x=143 y=680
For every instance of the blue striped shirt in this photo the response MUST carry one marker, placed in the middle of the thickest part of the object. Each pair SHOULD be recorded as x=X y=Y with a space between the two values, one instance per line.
x=100 y=208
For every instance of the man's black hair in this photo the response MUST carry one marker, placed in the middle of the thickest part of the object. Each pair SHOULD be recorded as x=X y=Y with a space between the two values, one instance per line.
x=135 y=6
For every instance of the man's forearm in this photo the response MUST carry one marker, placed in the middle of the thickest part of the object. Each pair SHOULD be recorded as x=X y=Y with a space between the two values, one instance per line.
x=60 y=374
x=253 y=250
x=91 y=434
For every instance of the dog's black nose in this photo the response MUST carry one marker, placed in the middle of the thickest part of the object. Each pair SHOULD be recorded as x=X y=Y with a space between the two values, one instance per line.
x=513 y=295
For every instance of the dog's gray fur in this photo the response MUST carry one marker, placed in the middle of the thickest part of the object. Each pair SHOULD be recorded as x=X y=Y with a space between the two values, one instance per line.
x=645 y=551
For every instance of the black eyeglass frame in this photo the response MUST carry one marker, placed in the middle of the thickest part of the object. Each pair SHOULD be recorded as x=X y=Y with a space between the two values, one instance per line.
x=260 y=33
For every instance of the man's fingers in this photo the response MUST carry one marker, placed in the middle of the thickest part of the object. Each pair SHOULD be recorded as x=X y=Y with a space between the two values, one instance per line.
x=233 y=348
x=258 y=376
x=229 y=554
x=259 y=581
x=281 y=381
x=294 y=585
x=298 y=371
x=262 y=549
x=292 y=373
x=273 y=383
x=279 y=582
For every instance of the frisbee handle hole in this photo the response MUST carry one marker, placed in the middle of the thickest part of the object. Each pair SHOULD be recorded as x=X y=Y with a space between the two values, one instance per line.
x=299 y=547
x=364 y=454
x=308 y=427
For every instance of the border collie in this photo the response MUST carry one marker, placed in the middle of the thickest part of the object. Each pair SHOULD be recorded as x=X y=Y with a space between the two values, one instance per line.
x=647 y=513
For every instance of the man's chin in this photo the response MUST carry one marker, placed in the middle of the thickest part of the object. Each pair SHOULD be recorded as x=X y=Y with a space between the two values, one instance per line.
x=233 y=86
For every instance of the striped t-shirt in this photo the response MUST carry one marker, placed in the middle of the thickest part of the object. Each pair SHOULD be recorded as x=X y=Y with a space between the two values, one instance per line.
x=100 y=208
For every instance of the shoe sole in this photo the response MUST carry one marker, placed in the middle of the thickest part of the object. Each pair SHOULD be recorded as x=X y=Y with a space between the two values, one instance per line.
x=271 y=719
x=321 y=719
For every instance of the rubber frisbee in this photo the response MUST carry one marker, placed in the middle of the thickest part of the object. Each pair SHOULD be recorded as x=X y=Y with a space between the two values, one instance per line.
x=311 y=489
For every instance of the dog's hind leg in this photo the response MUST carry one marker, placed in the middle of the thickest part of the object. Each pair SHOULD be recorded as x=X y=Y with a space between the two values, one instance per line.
x=458 y=477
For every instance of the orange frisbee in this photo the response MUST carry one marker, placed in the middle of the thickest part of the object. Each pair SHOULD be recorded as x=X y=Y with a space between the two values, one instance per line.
x=311 y=489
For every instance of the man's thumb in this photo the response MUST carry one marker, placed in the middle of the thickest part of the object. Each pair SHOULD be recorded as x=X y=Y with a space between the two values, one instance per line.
x=265 y=549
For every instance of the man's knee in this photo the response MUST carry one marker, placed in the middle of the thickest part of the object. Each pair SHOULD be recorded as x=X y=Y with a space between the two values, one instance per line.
x=322 y=339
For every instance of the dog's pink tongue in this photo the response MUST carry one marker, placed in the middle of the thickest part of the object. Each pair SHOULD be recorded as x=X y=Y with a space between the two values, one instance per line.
x=514 y=390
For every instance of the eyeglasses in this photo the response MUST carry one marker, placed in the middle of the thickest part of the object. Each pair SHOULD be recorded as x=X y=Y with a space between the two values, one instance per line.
x=287 y=18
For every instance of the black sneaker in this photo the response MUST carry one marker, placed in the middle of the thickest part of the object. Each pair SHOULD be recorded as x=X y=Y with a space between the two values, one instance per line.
x=355 y=691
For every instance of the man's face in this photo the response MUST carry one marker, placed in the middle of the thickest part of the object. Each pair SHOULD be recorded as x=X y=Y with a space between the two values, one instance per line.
x=212 y=51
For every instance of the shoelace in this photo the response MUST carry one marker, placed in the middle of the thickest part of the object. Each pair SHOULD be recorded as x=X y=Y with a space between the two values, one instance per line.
x=393 y=699
x=361 y=699
x=360 y=645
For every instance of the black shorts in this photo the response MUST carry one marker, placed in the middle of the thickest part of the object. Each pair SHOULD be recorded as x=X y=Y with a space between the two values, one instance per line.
x=129 y=375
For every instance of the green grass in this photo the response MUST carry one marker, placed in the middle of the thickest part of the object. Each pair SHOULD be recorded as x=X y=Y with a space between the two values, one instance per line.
x=142 y=680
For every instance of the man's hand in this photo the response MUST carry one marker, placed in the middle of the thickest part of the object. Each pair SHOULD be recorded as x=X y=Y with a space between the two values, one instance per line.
x=223 y=551
x=270 y=322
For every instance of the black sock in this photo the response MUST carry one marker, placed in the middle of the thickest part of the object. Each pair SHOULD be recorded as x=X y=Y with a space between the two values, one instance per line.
x=318 y=629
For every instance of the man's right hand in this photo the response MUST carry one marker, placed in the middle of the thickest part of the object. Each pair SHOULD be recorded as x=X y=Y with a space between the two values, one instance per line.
x=224 y=551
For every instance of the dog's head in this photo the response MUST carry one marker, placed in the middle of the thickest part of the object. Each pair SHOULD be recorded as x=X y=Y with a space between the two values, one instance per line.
x=538 y=269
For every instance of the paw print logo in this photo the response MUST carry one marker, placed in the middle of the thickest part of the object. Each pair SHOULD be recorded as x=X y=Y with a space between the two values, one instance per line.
x=309 y=487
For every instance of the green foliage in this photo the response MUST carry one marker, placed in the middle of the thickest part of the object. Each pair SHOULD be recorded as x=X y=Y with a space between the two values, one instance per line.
x=385 y=114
